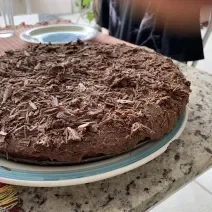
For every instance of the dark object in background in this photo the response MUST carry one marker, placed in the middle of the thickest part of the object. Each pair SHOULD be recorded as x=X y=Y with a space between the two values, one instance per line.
x=121 y=23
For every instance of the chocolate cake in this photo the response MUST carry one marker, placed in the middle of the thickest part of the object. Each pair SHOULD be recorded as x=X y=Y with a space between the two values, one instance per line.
x=83 y=100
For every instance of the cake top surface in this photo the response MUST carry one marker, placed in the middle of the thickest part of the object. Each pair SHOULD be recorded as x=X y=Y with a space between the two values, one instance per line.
x=52 y=95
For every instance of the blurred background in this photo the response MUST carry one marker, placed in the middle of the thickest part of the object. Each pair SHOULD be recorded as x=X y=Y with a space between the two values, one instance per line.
x=59 y=7
x=83 y=12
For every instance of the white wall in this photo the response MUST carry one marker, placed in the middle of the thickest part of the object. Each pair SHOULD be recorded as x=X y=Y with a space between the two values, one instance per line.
x=51 y=6
x=44 y=6
x=19 y=7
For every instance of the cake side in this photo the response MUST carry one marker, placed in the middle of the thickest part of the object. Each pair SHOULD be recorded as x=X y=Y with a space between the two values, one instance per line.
x=65 y=103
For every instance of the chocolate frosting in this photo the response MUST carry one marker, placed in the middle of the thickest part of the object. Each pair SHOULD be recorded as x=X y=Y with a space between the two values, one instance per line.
x=67 y=102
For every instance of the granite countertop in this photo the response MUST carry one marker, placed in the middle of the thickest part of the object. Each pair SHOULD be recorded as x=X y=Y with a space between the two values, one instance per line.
x=143 y=187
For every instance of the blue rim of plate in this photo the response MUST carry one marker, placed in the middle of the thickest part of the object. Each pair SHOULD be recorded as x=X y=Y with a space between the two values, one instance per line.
x=27 y=37
x=46 y=176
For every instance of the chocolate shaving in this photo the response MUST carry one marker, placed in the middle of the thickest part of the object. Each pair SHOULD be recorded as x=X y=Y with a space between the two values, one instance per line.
x=44 y=141
x=72 y=135
x=26 y=82
x=94 y=128
x=2 y=136
x=32 y=105
x=138 y=127
x=26 y=53
x=84 y=126
x=38 y=66
x=7 y=93
x=81 y=87
x=90 y=126
x=75 y=102
x=123 y=101
x=95 y=112
x=55 y=102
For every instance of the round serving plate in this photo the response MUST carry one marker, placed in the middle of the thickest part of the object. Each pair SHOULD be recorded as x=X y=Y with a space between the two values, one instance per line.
x=59 y=34
x=54 y=176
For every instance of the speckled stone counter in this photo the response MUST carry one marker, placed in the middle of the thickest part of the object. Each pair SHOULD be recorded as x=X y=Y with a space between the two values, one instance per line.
x=140 y=189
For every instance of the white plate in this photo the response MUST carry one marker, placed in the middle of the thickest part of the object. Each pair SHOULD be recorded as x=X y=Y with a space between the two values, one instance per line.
x=54 y=176
x=59 y=34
